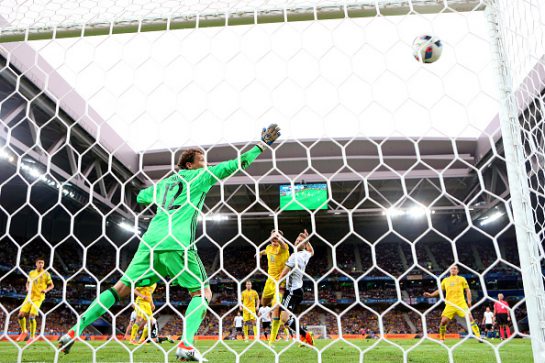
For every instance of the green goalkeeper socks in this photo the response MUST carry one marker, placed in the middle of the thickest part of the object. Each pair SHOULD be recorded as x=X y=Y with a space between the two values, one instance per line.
x=95 y=311
x=194 y=316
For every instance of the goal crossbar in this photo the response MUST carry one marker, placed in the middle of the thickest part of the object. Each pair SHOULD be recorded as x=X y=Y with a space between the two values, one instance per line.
x=370 y=8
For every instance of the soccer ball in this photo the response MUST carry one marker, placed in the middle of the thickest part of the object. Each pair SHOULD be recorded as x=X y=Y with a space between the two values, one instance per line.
x=427 y=48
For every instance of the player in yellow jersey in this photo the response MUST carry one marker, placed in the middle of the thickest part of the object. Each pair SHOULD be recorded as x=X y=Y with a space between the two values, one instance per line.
x=144 y=312
x=277 y=253
x=38 y=284
x=250 y=304
x=454 y=287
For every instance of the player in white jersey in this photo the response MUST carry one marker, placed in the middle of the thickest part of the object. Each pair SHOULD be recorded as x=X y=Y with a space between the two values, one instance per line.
x=239 y=322
x=264 y=314
x=294 y=271
x=488 y=322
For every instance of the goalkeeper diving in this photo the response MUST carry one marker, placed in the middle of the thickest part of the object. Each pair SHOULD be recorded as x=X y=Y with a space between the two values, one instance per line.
x=167 y=249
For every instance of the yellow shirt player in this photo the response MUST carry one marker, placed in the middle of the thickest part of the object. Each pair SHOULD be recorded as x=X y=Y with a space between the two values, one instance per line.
x=144 y=312
x=277 y=253
x=456 y=292
x=250 y=304
x=38 y=284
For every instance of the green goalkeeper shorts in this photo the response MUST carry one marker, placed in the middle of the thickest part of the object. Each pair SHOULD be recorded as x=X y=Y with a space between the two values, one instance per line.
x=180 y=268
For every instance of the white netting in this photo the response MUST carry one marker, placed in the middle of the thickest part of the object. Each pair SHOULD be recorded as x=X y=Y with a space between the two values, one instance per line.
x=411 y=156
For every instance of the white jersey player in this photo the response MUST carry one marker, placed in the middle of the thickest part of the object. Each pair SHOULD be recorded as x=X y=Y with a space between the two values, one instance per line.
x=294 y=270
x=239 y=322
x=488 y=321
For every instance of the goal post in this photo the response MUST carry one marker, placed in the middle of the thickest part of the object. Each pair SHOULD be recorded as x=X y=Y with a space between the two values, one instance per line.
x=319 y=331
x=519 y=157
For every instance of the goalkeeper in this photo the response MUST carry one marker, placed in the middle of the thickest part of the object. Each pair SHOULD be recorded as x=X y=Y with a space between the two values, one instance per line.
x=168 y=246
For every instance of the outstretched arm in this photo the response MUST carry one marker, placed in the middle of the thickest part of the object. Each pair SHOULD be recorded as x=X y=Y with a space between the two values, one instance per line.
x=431 y=294
x=285 y=271
x=228 y=168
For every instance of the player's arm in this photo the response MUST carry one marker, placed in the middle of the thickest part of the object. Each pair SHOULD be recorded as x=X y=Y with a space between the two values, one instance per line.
x=290 y=263
x=49 y=284
x=284 y=272
x=468 y=296
x=436 y=292
x=432 y=294
x=468 y=292
x=50 y=287
x=257 y=307
x=283 y=244
x=228 y=168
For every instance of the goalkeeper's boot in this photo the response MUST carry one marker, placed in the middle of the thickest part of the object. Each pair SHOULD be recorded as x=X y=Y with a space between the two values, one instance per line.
x=66 y=342
x=188 y=354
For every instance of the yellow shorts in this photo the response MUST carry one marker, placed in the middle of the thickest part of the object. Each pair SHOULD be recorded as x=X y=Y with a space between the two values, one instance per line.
x=31 y=306
x=269 y=291
x=248 y=314
x=452 y=310
x=143 y=310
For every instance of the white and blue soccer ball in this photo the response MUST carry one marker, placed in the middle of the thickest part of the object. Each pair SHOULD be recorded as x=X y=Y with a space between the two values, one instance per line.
x=427 y=48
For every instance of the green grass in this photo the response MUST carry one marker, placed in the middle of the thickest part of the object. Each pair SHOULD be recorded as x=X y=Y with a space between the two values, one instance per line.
x=470 y=351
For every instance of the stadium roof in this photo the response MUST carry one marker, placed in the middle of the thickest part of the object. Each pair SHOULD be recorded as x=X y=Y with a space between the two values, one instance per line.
x=162 y=90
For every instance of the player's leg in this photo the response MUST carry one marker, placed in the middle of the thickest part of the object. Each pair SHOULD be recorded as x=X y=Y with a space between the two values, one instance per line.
x=145 y=331
x=246 y=323
x=34 y=311
x=189 y=272
x=275 y=312
x=507 y=331
x=23 y=313
x=32 y=326
x=275 y=324
x=137 y=325
x=472 y=322
x=446 y=316
x=139 y=272
x=128 y=330
x=288 y=316
x=264 y=329
x=147 y=315
x=155 y=331
x=254 y=329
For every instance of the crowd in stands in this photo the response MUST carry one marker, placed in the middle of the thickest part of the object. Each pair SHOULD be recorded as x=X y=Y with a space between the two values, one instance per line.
x=392 y=258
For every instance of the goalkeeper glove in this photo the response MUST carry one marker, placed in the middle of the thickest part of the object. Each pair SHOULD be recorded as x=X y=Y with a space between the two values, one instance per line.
x=270 y=134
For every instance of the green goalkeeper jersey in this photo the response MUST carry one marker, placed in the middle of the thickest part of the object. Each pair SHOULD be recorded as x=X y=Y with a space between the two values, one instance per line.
x=179 y=199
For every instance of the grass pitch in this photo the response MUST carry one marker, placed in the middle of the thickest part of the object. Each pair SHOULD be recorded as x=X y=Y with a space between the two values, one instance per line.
x=469 y=351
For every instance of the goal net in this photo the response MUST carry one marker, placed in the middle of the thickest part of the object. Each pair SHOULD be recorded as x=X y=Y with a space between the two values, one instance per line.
x=398 y=169
x=319 y=331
